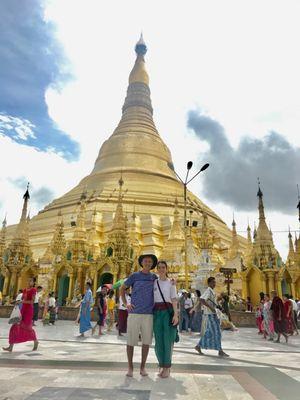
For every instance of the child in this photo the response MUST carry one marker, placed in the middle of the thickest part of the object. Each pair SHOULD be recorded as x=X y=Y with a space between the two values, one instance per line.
x=111 y=310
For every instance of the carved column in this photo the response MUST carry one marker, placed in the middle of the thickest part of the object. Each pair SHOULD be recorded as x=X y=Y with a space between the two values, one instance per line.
x=71 y=284
x=19 y=282
x=95 y=283
x=293 y=287
x=12 y=290
x=54 y=283
x=6 y=283
x=245 y=287
x=79 y=279
x=270 y=275
x=264 y=283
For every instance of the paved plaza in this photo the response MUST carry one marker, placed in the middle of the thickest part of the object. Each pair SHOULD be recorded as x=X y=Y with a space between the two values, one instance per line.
x=65 y=367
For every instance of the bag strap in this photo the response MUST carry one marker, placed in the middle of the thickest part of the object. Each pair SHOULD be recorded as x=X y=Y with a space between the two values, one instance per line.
x=162 y=296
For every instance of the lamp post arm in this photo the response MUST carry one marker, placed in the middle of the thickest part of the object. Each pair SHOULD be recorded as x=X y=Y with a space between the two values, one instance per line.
x=194 y=177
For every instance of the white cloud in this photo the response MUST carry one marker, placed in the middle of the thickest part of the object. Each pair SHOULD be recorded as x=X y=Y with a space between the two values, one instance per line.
x=22 y=127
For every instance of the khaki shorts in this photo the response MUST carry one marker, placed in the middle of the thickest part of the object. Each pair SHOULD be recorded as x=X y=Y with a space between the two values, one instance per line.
x=139 y=324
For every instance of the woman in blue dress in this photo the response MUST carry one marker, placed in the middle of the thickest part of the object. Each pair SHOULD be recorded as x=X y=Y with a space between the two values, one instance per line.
x=85 y=310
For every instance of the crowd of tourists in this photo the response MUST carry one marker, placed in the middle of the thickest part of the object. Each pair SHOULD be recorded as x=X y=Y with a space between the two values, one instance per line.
x=276 y=317
x=148 y=305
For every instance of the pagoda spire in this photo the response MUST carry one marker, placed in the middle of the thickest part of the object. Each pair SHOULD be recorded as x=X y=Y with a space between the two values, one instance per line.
x=3 y=237
x=234 y=246
x=119 y=221
x=291 y=254
x=249 y=238
x=263 y=232
x=26 y=198
x=260 y=204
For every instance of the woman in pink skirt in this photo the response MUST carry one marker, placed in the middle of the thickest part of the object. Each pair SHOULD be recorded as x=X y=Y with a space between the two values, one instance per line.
x=23 y=331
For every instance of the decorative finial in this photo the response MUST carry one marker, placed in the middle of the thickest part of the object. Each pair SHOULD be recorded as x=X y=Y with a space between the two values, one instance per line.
x=26 y=194
x=140 y=47
x=233 y=221
x=259 y=193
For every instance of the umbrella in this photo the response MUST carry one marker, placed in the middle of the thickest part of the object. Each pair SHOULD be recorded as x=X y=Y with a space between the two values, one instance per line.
x=118 y=284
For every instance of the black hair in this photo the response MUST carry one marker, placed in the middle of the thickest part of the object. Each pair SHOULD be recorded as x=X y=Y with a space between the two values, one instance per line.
x=89 y=284
x=198 y=293
x=210 y=279
x=39 y=287
x=286 y=295
x=163 y=262
x=111 y=293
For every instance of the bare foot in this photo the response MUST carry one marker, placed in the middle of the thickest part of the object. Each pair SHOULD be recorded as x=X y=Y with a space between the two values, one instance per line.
x=143 y=372
x=35 y=345
x=165 y=373
x=130 y=373
x=9 y=348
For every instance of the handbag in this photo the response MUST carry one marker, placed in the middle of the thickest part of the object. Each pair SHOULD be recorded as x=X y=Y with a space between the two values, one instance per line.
x=171 y=314
x=15 y=316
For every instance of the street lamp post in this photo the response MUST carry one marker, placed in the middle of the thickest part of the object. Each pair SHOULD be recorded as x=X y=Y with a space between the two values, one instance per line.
x=185 y=183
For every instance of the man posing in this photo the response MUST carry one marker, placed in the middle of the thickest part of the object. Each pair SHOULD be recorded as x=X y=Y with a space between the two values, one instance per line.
x=210 y=329
x=140 y=318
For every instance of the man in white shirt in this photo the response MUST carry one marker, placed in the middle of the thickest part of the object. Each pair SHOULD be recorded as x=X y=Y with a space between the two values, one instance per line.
x=295 y=312
x=36 y=304
x=210 y=329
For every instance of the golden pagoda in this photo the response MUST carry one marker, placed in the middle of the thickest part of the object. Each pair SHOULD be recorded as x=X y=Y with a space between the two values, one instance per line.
x=136 y=152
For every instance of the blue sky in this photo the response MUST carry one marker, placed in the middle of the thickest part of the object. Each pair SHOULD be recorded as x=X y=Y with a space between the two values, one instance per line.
x=31 y=61
x=224 y=79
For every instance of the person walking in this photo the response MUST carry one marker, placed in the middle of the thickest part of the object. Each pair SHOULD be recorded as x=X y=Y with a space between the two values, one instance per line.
x=294 y=318
x=197 y=313
x=36 y=304
x=85 y=311
x=23 y=331
x=140 y=318
x=268 y=323
x=165 y=319
x=279 y=318
x=52 y=308
x=123 y=313
x=288 y=310
x=210 y=330
x=101 y=305
x=111 y=310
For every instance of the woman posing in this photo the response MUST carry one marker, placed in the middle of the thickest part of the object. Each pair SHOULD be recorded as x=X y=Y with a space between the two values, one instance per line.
x=23 y=331
x=85 y=311
x=165 y=319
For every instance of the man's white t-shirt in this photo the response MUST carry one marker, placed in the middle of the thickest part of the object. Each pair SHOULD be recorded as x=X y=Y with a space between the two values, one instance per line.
x=295 y=307
x=188 y=303
x=210 y=297
x=19 y=297
x=168 y=290
x=121 y=305
x=37 y=297
x=52 y=302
